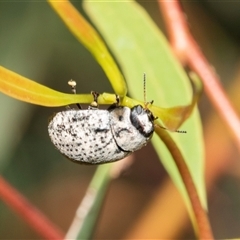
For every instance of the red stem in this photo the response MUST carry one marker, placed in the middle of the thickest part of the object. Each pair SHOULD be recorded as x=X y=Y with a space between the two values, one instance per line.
x=190 y=54
x=32 y=216
x=203 y=226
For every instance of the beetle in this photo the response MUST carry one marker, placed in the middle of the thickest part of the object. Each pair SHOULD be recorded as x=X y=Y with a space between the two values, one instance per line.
x=96 y=136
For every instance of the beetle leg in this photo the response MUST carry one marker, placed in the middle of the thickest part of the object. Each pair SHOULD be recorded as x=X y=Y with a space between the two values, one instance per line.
x=73 y=86
x=94 y=104
x=116 y=104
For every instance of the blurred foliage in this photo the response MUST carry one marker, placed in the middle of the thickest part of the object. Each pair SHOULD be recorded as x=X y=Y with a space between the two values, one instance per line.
x=39 y=46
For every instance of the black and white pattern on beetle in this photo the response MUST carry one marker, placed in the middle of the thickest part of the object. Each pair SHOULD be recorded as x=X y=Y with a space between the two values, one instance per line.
x=95 y=136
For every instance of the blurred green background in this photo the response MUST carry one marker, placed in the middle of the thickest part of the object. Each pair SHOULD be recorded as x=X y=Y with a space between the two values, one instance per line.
x=36 y=44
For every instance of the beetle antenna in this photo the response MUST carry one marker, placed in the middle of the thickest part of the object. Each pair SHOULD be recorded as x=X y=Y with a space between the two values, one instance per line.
x=144 y=89
x=176 y=131
x=181 y=131
x=146 y=104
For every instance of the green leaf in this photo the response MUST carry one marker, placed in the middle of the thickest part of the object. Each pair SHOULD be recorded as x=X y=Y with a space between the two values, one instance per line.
x=24 y=89
x=89 y=210
x=139 y=46
x=87 y=35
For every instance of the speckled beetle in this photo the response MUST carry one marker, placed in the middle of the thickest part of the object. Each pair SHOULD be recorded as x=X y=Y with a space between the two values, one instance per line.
x=94 y=136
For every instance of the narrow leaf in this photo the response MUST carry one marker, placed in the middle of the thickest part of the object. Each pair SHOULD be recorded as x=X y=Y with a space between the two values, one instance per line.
x=86 y=34
x=24 y=89
x=140 y=47
x=87 y=214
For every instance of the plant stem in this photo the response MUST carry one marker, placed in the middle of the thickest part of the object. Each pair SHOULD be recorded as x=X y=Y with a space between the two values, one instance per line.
x=202 y=221
x=189 y=53
x=28 y=212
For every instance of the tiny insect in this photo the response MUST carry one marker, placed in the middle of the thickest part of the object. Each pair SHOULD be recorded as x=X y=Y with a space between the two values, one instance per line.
x=95 y=136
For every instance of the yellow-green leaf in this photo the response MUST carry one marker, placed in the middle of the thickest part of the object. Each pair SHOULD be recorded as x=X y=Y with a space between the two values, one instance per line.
x=24 y=89
x=139 y=46
x=86 y=34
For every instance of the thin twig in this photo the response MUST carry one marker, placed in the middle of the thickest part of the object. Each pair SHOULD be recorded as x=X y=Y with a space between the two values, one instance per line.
x=202 y=221
x=27 y=211
x=190 y=54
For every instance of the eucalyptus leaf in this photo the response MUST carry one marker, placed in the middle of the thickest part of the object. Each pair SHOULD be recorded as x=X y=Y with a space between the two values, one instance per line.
x=139 y=46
